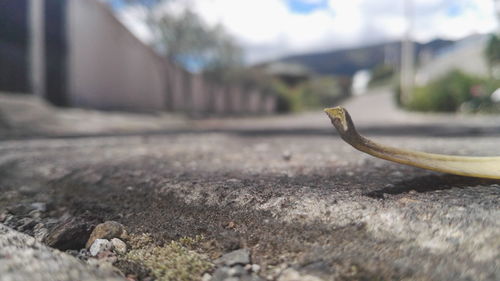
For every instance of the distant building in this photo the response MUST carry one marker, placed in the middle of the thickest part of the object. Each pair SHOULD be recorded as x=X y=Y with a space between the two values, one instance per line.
x=291 y=74
x=466 y=55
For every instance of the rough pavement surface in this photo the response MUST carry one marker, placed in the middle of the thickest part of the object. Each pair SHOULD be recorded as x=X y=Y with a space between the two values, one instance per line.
x=22 y=258
x=287 y=188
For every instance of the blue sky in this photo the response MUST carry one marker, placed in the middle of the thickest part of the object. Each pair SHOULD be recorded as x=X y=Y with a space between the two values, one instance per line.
x=306 y=7
x=269 y=29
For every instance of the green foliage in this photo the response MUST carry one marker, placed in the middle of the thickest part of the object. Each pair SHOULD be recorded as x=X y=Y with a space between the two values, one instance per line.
x=381 y=74
x=318 y=92
x=185 y=38
x=492 y=51
x=188 y=40
x=454 y=91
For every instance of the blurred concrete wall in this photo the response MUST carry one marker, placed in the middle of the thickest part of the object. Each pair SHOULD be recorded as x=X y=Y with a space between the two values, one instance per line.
x=81 y=55
x=108 y=67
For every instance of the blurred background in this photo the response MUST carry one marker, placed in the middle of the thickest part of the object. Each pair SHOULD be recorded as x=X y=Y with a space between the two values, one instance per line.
x=223 y=58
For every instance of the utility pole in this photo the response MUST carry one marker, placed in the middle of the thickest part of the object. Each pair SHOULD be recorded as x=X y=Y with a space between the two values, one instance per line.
x=407 y=55
x=37 y=47
x=497 y=6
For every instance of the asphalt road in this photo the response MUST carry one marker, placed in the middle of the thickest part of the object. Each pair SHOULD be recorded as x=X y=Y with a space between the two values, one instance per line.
x=285 y=187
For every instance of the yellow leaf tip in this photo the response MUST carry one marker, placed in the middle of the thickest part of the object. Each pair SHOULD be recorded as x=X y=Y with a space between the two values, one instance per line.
x=335 y=112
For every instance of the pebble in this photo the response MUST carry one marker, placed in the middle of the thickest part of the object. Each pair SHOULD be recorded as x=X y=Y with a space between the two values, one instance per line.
x=119 y=246
x=255 y=268
x=107 y=256
x=107 y=230
x=40 y=232
x=397 y=174
x=291 y=274
x=287 y=155
x=39 y=206
x=241 y=256
x=3 y=215
x=206 y=277
x=36 y=214
x=100 y=245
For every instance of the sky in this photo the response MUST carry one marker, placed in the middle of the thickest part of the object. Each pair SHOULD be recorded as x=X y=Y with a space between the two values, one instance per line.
x=270 y=29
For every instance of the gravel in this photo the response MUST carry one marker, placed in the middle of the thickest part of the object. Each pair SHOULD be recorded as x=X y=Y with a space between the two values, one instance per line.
x=107 y=230
x=99 y=246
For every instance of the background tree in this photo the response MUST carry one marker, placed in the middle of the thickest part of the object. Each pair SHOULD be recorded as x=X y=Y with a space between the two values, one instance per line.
x=492 y=53
x=185 y=38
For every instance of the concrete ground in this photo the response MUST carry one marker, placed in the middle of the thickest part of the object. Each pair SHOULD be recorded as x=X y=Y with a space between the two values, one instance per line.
x=287 y=188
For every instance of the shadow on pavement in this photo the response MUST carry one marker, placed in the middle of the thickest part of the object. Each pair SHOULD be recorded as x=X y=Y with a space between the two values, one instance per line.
x=430 y=183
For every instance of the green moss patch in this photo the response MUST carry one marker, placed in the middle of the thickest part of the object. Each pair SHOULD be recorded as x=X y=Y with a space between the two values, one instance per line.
x=175 y=261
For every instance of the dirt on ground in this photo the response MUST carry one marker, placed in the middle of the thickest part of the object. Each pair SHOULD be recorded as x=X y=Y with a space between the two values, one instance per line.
x=297 y=197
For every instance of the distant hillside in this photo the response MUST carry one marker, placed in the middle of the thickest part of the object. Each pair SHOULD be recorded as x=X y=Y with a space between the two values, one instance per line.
x=348 y=61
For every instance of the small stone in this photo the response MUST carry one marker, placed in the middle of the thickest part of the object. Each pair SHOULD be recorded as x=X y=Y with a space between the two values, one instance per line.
x=40 y=232
x=107 y=256
x=291 y=274
x=237 y=271
x=119 y=246
x=206 y=277
x=397 y=174
x=241 y=256
x=39 y=206
x=100 y=245
x=70 y=234
x=8 y=220
x=35 y=214
x=3 y=215
x=107 y=230
x=74 y=253
x=255 y=268
x=287 y=155
x=83 y=254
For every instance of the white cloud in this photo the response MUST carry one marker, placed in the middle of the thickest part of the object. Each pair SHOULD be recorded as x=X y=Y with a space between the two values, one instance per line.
x=268 y=28
x=133 y=17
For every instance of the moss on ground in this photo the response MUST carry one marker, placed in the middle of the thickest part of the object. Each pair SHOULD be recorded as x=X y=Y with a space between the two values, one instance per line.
x=175 y=261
